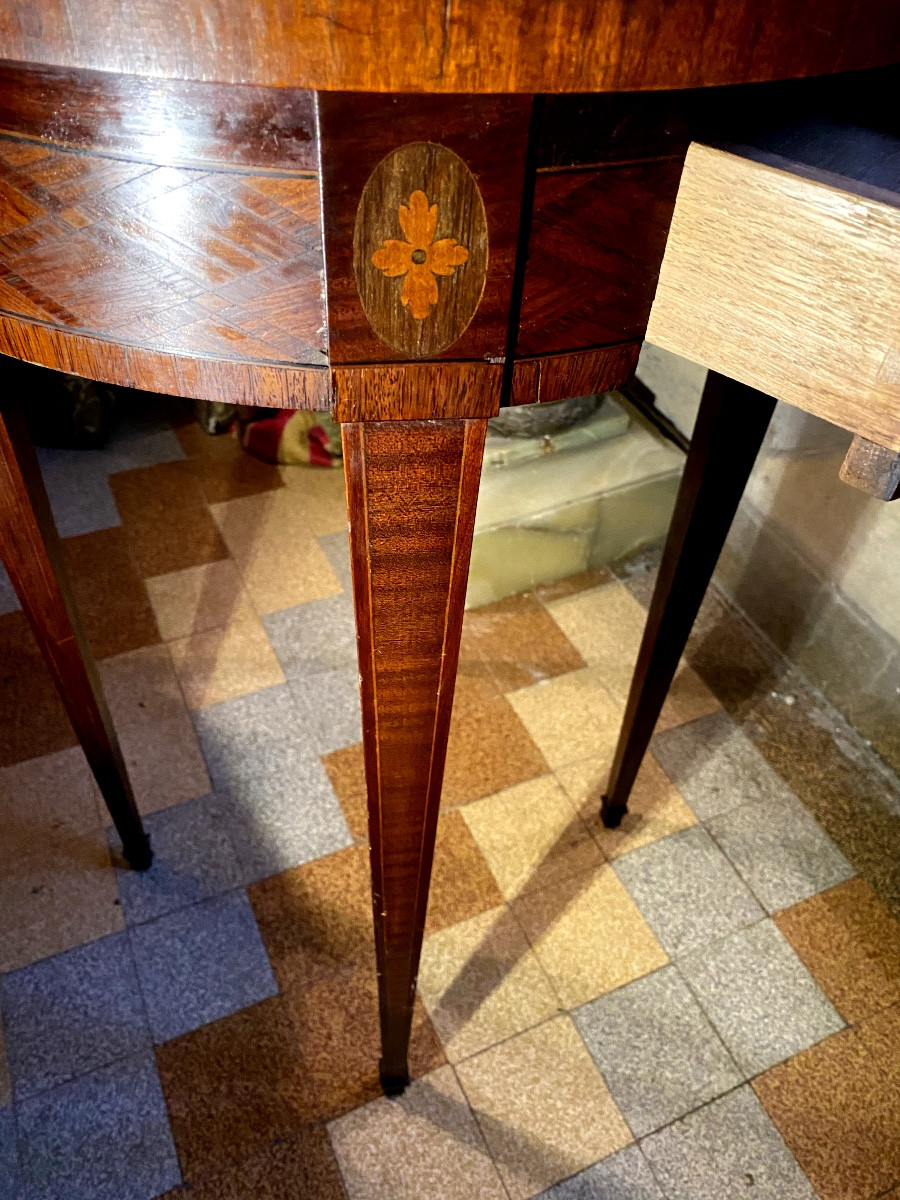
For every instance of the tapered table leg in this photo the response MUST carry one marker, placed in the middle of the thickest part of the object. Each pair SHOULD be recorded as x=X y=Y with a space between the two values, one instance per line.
x=31 y=552
x=412 y=491
x=731 y=425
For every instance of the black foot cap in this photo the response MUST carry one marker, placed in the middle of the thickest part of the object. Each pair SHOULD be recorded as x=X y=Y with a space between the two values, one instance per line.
x=392 y=1085
x=138 y=853
x=611 y=817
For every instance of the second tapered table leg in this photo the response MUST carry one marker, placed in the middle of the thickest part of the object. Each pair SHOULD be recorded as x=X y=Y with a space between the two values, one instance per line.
x=731 y=425
x=412 y=490
x=31 y=553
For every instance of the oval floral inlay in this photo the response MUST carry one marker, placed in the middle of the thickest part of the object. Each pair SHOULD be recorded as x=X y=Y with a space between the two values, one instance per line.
x=420 y=248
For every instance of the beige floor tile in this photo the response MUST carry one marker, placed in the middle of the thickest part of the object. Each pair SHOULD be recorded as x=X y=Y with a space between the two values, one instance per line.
x=481 y=983
x=543 y=1107
x=655 y=807
x=569 y=717
x=530 y=836
x=223 y=664
x=272 y=537
x=44 y=795
x=605 y=626
x=588 y=935
x=197 y=599
x=155 y=729
x=424 y=1144
x=321 y=495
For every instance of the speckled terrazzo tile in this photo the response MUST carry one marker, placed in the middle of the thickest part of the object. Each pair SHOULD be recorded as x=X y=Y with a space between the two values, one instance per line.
x=543 y=1107
x=104 y=1136
x=570 y=717
x=300 y=1166
x=271 y=789
x=9 y=601
x=271 y=539
x=716 y=767
x=199 y=964
x=779 y=851
x=223 y=664
x=530 y=836
x=317 y=917
x=155 y=730
x=461 y=881
x=659 y=1054
x=72 y=1013
x=588 y=935
x=583 y=581
x=321 y=495
x=838 y=1108
x=481 y=983
x=109 y=593
x=850 y=943
x=166 y=518
x=688 y=699
x=687 y=890
x=315 y=637
x=489 y=748
x=337 y=550
x=224 y=469
x=622 y=1176
x=338 y=1036
x=10 y=1176
x=196 y=599
x=761 y=999
x=5 y=1082
x=346 y=769
x=723 y=1151
x=655 y=806
x=520 y=642
x=605 y=625
x=233 y=1086
x=424 y=1143
x=193 y=859
x=328 y=705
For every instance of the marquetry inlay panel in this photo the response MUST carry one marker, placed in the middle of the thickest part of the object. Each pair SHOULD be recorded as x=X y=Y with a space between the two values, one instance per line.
x=221 y=263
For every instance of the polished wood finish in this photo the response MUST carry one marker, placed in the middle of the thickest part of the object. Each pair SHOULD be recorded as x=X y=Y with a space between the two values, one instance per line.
x=489 y=135
x=402 y=392
x=456 y=45
x=558 y=376
x=30 y=551
x=786 y=276
x=412 y=490
x=169 y=121
x=730 y=427
x=873 y=469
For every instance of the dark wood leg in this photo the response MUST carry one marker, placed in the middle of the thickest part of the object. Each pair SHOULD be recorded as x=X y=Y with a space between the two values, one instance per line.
x=31 y=552
x=730 y=427
x=412 y=490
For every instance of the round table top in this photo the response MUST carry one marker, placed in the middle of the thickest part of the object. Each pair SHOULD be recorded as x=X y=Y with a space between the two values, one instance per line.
x=456 y=45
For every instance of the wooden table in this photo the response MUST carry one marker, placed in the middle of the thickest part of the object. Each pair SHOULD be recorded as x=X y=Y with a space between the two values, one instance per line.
x=411 y=212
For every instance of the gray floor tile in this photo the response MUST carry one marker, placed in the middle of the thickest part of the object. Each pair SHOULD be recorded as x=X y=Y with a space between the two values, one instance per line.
x=622 y=1176
x=759 y=996
x=337 y=551
x=329 y=708
x=271 y=788
x=200 y=964
x=687 y=890
x=658 y=1053
x=780 y=852
x=9 y=601
x=77 y=483
x=715 y=766
x=10 y=1178
x=314 y=637
x=729 y=1150
x=104 y=1136
x=72 y=1013
x=193 y=859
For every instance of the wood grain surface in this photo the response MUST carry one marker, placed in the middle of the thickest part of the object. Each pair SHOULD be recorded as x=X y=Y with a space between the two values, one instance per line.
x=490 y=136
x=412 y=489
x=416 y=391
x=420 y=248
x=456 y=45
x=788 y=283
x=558 y=376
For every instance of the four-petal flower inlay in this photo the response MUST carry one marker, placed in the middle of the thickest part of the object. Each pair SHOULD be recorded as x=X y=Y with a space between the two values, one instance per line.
x=420 y=258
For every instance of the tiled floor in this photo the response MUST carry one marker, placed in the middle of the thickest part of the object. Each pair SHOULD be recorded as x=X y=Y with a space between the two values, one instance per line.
x=701 y=1005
